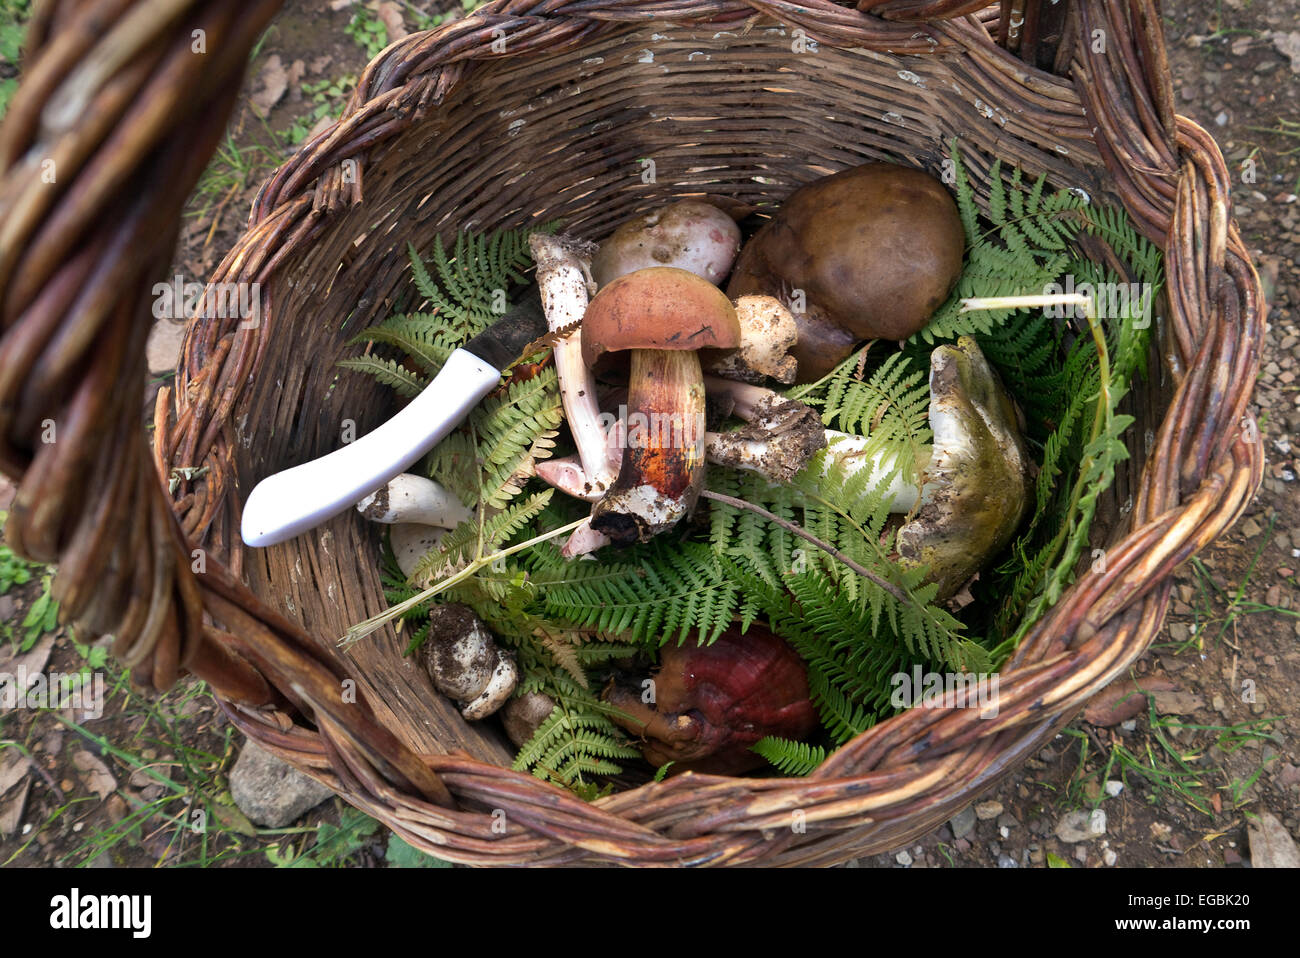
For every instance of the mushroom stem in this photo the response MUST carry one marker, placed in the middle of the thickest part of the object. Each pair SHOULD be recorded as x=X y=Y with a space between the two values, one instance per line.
x=757 y=405
x=583 y=540
x=564 y=279
x=663 y=459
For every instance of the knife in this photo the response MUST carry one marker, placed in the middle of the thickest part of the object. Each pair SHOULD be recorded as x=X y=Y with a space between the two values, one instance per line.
x=290 y=503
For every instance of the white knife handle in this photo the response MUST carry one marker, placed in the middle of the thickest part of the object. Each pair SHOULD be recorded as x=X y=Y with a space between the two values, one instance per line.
x=291 y=502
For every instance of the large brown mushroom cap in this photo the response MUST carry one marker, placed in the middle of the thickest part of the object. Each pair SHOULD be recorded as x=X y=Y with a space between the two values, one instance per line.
x=876 y=250
x=657 y=308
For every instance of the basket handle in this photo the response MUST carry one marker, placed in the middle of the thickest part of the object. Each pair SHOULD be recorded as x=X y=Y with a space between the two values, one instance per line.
x=103 y=141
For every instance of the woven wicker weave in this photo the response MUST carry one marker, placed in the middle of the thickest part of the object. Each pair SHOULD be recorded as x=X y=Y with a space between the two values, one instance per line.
x=532 y=111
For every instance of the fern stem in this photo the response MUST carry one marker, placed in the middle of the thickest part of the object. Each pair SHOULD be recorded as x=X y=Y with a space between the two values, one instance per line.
x=1102 y=413
x=802 y=533
x=374 y=623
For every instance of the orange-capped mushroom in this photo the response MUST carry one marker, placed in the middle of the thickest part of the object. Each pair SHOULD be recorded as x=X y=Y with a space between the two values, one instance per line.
x=651 y=324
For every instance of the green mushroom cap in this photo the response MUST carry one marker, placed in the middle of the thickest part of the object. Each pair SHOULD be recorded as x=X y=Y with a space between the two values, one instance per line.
x=975 y=490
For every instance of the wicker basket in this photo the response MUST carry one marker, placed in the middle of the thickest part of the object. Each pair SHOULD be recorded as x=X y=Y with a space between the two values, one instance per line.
x=526 y=112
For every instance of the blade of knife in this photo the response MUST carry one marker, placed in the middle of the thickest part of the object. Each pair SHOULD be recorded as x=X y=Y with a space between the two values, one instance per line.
x=296 y=500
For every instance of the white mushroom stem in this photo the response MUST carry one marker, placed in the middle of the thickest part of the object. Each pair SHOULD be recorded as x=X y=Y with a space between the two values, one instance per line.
x=755 y=455
x=584 y=540
x=412 y=498
x=564 y=278
x=566 y=474
x=850 y=452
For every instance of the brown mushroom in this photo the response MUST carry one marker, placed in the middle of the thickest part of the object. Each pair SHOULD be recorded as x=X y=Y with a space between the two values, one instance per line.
x=710 y=703
x=867 y=253
x=647 y=326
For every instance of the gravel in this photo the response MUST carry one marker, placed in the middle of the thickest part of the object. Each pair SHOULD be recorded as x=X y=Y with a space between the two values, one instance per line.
x=962 y=823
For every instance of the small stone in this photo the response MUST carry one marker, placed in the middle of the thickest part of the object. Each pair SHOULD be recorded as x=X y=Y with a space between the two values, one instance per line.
x=1129 y=726
x=904 y=858
x=1221 y=119
x=962 y=844
x=1109 y=857
x=1271 y=846
x=270 y=791
x=1160 y=831
x=163 y=349
x=987 y=810
x=962 y=822
x=1004 y=831
x=1006 y=861
x=1037 y=856
x=1007 y=820
x=1114 y=787
x=1081 y=825
x=116 y=808
x=1081 y=854
x=1219 y=704
x=1230 y=857
x=1250 y=529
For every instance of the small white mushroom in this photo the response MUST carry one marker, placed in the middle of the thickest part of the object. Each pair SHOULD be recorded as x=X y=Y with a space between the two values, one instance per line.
x=465 y=662
x=411 y=542
x=412 y=498
x=524 y=715
x=767 y=334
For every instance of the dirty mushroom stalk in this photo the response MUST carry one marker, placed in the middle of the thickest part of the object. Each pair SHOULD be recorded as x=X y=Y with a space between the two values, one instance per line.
x=743 y=449
x=564 y=279
x=663 y=461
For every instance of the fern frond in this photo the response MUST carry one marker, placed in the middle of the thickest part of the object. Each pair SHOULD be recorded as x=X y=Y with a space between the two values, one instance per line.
x=790 y=758
x=390 y=373
x=666 y=592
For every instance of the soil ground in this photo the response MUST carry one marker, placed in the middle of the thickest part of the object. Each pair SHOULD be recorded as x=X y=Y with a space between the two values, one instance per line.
x=1214 y=745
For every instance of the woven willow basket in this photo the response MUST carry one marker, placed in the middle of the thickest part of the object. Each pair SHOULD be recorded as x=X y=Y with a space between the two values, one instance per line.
x=519 y=113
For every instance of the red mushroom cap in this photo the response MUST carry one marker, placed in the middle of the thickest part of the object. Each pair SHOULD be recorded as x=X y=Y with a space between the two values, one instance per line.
x=660 y=307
